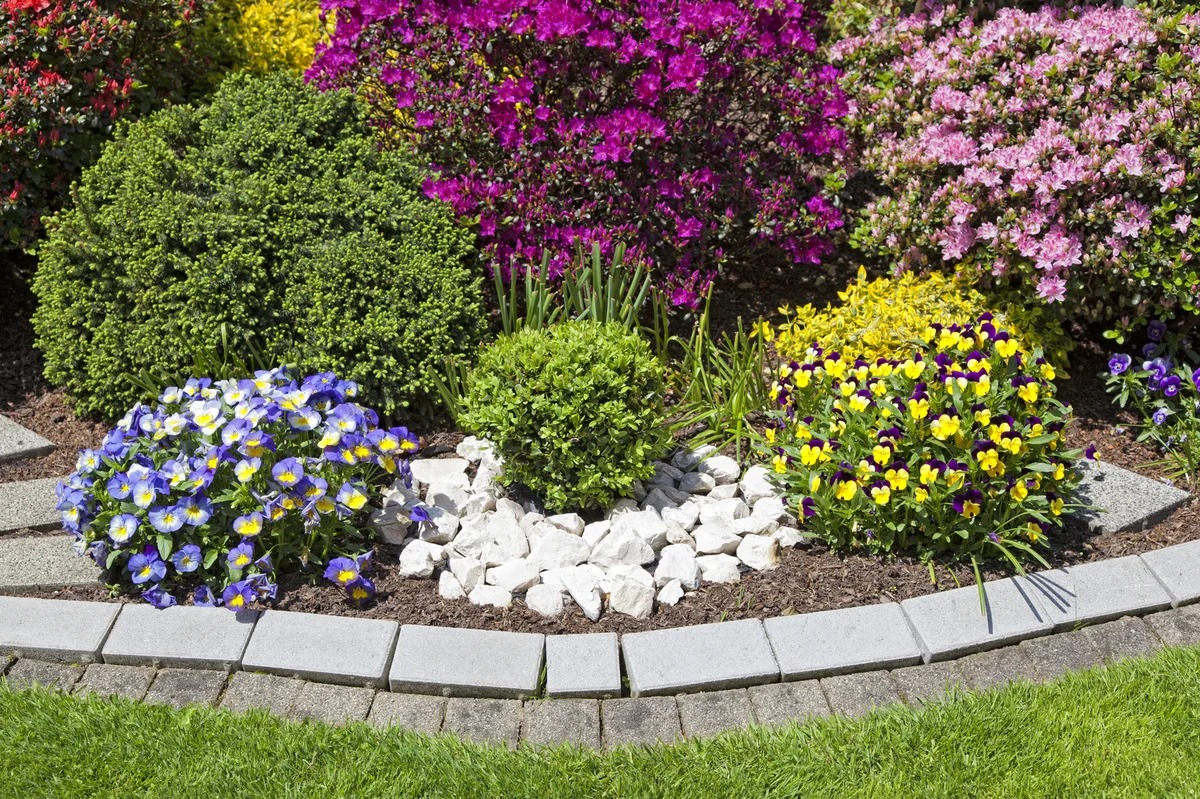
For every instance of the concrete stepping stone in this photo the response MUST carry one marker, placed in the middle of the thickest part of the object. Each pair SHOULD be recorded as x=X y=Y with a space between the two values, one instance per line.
x=782 y=703
x=415 y=712
x=951 y=623
x=180 y=688
x=1099 y=591
x=336 y=649
x=997 y=667
x=332 y=704
x=26 y=673
x=460 y=662
x=28 y=504
x=102 y=679
x=1124 y=500
x=859 y=694
x=644 y=721
x=933 y=682
x=1124 y=638
x=552 y=722
x=704 y=657
x=179 y=636
x=1055 y=655
x=55 y=629
x=1178 y=569
x=20 y=442
x=1177 y=627
x=583 y=666
x=44 y=561
x=485 y=721
x=839 y=641
x=705 y=715
x=268 y=692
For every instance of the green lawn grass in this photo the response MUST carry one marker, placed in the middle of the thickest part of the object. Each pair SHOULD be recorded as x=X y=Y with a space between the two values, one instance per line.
x=1128 y=731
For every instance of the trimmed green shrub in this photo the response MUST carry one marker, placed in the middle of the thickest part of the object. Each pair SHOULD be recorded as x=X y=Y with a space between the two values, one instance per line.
x=269 y=212
x=575 y=411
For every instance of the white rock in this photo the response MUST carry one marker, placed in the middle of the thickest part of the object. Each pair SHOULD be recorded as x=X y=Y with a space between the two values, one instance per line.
x=399 y=494
x=687 y=460
x=686 y=515
x=633 y=599
x=473 y=537
x=554 y=577
x=441 y=528
x=677 y=535
x=541 y=530
x=719 y=568
x=677 y=562
x=568 y=522
x=727 y=491
x=756 y=484
x=478 y=503
x=468 y=572
x=438 y=470
x=622 y=507
x=671 y=593
x=624 y=547
x=712 y=539
x=646 y=525
x=723 y=512
x=773 y=508
x=473 y=449
x=419 y=558
x=789 y=537
x=450 y=497
x=508 y=537
x=721 y=468
x=493 y=595
x=449 y=587
x=697 y=483
x=513 y=509
x=665 y=474
x=759 y=552
x=584 y=587
x=620 y=571
x=531 y=520
x=544 y=599
x=515 y=576
x=557 y=549
x=594 y=533
x=487 y=481
x=754 y=525
x=391 y=524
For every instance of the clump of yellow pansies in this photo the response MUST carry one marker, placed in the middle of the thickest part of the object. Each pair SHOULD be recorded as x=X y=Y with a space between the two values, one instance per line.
x=955 y=447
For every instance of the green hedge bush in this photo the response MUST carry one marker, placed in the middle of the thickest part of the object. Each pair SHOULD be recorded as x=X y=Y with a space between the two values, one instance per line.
x=575 y=411
x=269 y=213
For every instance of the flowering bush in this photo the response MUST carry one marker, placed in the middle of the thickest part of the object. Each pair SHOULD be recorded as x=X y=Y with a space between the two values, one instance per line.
x=70 y=68
x=222 y=484
x=1164 y=392
x=261 y=36
x=956 y=448
x=689 y=130
x=886 y=318
x=1054 y=149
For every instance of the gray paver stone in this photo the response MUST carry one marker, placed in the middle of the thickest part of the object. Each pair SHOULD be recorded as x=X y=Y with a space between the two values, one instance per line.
x=1124 y=638
x=1177 y=568
x=1125 y=500
x=336 y=649
x=414 y=712
x=182 y=687
x=103 y=679
x=996 y=667
x=28 y=504
x=932 y=682
x=1053 y=656
x=20 y=442
x=461 y=662
x=586 y=665
x=44 y=561
x=707 y=714
x=1177 y=627
x=647 y=720
x=781 y=703
x=731 y=654
x=838 y=641
x=1098 y=591
x=208 y=638
x=55 y=629
x=270 y=692
x=26 y=673
x=859 y=694
x=551 y=722
x=332 y=704
x=951 y=623
x=489 y=721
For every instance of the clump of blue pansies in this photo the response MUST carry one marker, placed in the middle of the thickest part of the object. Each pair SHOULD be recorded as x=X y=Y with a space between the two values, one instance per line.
x=220 y=484
x=1162 y=386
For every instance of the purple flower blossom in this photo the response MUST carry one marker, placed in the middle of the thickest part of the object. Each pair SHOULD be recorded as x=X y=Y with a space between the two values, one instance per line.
x=1119 y=363
x=1160 y=417
x=1156 y=330
x=1170 y=385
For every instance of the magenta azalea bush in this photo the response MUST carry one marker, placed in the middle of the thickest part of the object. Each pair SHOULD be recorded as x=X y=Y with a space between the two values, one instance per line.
x=695 y=132
x=1058 y=149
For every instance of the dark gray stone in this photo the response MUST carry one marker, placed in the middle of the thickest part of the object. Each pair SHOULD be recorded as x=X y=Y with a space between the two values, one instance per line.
x=1177 y=627
x=859 y=694
x=55 y=629
x=332 y=704
x=336 y=649
x=731 y=654
x=1053 y=656
x=460 y=662
x=995 y=668
x=19 y=442
x=26 y=673
x=646 y=720
x=951 y=623
x=1178 y=569
x=270 y=692
x=415 y=712
x=29 y=504
x=929 y=683
x=486 y=721
x=705 y=715
x=180 y=636
x=550 y=722
x=843 y=640
x=44 y=561
x=1099 y=591
x=103 y=679
x=1125 y=501
x=583 y=666
x=1124 y=638
x=782 y=703
x=182 y=687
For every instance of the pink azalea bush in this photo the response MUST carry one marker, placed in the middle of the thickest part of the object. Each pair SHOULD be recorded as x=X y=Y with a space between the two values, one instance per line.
x=696 y=132
x=1055 y=150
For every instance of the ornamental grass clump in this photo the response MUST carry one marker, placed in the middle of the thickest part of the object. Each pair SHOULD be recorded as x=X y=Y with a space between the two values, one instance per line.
x=219 y=486
x=1057 y=151
x=696 y=132
x=957 y=448
x=575 y=411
